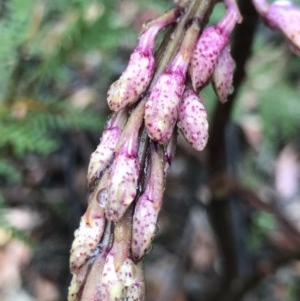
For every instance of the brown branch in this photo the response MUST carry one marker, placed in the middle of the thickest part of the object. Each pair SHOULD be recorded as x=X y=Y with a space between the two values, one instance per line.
x=219 y=209
x=252 y=199
x=263 y=268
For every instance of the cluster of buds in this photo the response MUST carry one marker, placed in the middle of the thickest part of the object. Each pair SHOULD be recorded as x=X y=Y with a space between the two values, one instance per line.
x=284 y=16
x=127 y=171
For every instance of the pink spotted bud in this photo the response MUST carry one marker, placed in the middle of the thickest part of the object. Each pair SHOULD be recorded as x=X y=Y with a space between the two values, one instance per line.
x=90 y=290
x=90 y=230
x=138 y=74
x=148 y=206
x=161 y=110
x=111 y=288
x=209 y=47
x=102 y=156
x=136 y=290
x=124 y=283
x=118 y=269
x=223 y=75
x=124 y=172
x=284 y=16
x=193 y=120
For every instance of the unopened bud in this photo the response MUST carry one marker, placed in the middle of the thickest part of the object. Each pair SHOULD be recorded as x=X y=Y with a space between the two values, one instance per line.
x=223 y=75
x=102 y=156
x=111 y=288
x=124 y=172
x=193 y=120
x=148 y=206
x=209 y=47
x=284 y=16
x=138 y=74
x=122 y=186
x=136 y=291
x=90 y=230
x=161 y=110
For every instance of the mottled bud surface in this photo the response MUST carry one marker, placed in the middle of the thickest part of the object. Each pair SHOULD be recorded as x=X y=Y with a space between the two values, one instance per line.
x=148 y=206
x=193 y=120
x=133 y=82
x=161 y=111
x=102 y=156
x=205 y=56
x=89 y=233
x=122 y=185
x=223 y=75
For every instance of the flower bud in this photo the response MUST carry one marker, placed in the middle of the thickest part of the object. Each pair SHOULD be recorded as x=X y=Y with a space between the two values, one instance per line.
x=102 y=156
x=118 y=271
x=284 y=16
x=209 y=47
x=126 y=283
x=136 y=291
x=124 y=172
x=138 y=74
x=90 y=230
x=161 y=110
x=122 y=186
x=148 y=206
x=93 y=279
x=193 y=120
x=111 y=288
x=223 y=75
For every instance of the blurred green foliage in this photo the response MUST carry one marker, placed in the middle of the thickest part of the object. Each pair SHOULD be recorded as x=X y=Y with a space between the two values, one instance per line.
x=43 y=46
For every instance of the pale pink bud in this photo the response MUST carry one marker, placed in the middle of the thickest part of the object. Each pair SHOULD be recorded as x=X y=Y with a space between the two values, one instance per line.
x=90 y=290
x=209 y=47
x=193 y=120
x=90 y=230
x=136 y=290
x=117 y=272
x=124 y=172
x=223 y=75
x=148 y=206
x=111 y=288
x=284 y=16
x=103 y=155
x=161 y=110
x=125 y=283
x=122 y=186
x=138 y=74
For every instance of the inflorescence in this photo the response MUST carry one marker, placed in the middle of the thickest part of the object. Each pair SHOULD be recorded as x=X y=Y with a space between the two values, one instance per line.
x=150 y=104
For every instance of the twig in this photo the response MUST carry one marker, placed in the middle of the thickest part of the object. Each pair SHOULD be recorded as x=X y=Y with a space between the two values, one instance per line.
x=220 y=212
x=263 y=269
